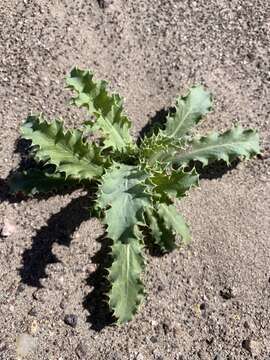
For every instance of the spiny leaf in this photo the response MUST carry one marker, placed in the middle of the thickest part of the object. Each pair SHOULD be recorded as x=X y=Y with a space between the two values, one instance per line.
x=175 y=184
x=123 y=190
x=189 y=111
x=174 y=221
x=108 y=109
x=122 y=194
x=127 y=290
x=35 y=181
x=156 y=150
x=65 y=149
x=162 y=236
x=235 y=143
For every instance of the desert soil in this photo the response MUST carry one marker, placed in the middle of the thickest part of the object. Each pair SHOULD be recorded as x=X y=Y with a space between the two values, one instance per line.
x=207 y=301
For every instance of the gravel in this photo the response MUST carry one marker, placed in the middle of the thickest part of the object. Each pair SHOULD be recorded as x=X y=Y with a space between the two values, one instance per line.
x=149 y=51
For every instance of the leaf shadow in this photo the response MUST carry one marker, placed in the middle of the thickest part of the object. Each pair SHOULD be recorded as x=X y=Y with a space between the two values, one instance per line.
x=26 y=162
x=156 y=122
x=95 y=302
x=59 y=229
x=216 y=170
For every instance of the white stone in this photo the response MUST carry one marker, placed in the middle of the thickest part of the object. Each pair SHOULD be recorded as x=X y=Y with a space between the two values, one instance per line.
x=25 y=344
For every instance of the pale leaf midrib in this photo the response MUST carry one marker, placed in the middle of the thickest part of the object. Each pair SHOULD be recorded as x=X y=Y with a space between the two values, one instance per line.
x=210 y=147
x=111 y=126
x=181 y=123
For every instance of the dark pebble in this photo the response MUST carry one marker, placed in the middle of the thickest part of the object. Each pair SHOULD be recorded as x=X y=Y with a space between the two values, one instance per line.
x=246 y=344
x=103 y=4
x=71 y=320
x=153 y=339
x=20 y=289
x=81 y=351
x=63 y=304
x=227 y=293
x=166 y=328
x=209 y=340
x=218 y=357
x=246 y=325
x=203 y=306
x=33 y=312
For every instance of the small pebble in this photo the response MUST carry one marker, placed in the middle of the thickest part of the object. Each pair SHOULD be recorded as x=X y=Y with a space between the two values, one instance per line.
x=9 y=228
x=25 y=344
x=104 y=3
x=81 y=351
x=153 y=339
x=154 y=323
x=63 y=304
x=227 y=293
x=166 y=328
x=33 y=328
x=71 y=320
x=20 y=289
x=246 y=325
x=218 y=357
x=40 y=295
x=209 y=340
x=251 y=346
x=32 y=312
x=202 y=306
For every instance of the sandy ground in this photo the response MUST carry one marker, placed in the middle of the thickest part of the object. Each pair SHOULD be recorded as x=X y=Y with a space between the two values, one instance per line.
x=209 y=301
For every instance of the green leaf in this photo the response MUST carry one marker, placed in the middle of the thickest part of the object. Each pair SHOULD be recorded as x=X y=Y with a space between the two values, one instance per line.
x=174 y=221
x=162 y=236
x=189 y=111
x=107 y=108
x=156 y=151
x=122 y=195
x=65 y=149
x=175 y=184
x=233 y=144
x=35 y=181
x=127 y=290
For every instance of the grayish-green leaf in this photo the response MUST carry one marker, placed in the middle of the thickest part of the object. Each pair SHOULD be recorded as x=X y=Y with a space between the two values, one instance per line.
x=107 y=108
x=122 y=195
x=189 y=111
x=65 y=149
x=174 y=221
x=35 y=181
x=162 y=236
x=127 y=290
x=233 y=144
x=174 y=184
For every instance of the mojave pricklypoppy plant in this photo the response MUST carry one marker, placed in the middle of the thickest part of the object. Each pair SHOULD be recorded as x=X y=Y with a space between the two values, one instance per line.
x=136 y=182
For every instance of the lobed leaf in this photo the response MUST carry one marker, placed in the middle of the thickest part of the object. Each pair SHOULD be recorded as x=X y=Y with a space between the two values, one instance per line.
x=174 y=221
x=122 y=195
x=156 y=151
x=162 y=236
x=65 y=149
x=127 y=290
x=107 y=108
x=35 y=181
x=189 y=111
x=233 y=144
x=175 y=184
